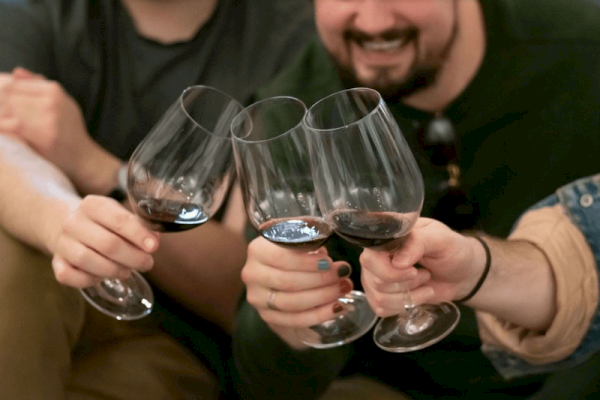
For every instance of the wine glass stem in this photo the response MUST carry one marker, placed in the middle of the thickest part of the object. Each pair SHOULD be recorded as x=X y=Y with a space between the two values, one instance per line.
x=115 y=288
x=416 y=319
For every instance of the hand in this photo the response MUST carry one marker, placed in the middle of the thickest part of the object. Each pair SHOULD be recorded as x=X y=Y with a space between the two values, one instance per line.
x=101 y=239
x=306 y=286
x=450 y=264
x=47 y=118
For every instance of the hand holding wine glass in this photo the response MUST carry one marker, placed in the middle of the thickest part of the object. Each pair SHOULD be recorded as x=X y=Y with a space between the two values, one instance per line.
x=370 y=191
x=451 y=268
x=177 y=179
x=274 y=172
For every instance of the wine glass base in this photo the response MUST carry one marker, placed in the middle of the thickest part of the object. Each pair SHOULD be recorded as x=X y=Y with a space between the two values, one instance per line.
x=432 y=323
x=124 y=301
x=356 y=320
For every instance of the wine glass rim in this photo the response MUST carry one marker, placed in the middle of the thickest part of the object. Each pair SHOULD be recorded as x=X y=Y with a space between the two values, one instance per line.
x=244 y=114
x=326 y=98
x=212 y=89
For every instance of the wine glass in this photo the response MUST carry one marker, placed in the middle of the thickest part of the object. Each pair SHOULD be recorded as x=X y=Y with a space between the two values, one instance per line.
x=177 y=179
x=273 y=168
x=371 y=191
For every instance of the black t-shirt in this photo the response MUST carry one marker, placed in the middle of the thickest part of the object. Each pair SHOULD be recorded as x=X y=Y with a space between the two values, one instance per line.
x=528 y=123
x=125 y=82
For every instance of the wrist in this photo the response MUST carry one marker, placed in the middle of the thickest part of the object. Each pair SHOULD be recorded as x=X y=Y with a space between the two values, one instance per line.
x=58 y=211
x=97 y=174
x=480 y=268
x=119 y=190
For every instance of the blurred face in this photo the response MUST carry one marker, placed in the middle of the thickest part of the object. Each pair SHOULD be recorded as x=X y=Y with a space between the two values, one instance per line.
x=394 y=46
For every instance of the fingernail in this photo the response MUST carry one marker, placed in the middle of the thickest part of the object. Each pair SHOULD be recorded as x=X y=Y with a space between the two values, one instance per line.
x=337 y=308
x=343 y=271
x=345 y=286
x=149 y=244
x=323 y=265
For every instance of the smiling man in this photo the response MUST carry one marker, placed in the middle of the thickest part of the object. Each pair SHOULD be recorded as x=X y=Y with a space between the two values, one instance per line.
x=399 y=49
x=498 y=101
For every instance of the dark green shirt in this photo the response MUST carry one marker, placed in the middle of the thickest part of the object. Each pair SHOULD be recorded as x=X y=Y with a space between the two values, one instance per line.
x=528 y=123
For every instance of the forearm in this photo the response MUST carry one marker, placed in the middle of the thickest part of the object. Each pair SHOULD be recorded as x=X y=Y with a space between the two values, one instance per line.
x=34 y=195
x=520 y=287
x=97 y=174
x=575 y=295
x=201 y=269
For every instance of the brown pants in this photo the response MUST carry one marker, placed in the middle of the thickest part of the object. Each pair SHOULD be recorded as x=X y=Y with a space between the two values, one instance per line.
x=53 y=345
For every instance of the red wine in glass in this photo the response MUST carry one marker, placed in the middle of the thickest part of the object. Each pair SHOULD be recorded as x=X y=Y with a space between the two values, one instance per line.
x=170 y=216
x=274 y=171
x=380 y=230
x=177 y=178
x=370 y=189
x=302 y=233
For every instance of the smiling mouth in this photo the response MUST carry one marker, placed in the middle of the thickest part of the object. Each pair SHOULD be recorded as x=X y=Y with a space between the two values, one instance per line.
x=385 y=46
x=386 y=43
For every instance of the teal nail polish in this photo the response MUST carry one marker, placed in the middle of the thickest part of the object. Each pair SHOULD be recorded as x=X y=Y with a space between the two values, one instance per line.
x=323 y=265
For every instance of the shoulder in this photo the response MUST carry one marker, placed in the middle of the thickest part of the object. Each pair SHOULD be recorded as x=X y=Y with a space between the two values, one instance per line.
x=310 y=77
x=47 y=17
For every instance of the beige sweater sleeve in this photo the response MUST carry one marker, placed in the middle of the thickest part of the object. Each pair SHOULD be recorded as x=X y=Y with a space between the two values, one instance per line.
x=574 y=269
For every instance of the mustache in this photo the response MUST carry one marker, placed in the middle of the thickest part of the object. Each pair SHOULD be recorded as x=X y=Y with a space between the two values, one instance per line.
x=389 y=35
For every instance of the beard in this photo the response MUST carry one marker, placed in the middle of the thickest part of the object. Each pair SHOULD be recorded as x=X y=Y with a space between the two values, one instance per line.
x=422 y=74
x=389 y=88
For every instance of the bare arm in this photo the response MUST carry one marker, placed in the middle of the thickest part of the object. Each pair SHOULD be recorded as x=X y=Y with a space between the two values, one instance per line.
x=520 y=287
x=35 y=196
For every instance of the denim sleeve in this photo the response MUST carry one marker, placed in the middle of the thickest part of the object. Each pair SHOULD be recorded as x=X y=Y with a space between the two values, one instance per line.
x=581 y=200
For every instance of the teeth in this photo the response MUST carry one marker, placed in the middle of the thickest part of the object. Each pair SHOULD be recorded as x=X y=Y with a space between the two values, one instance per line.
x=389 y=46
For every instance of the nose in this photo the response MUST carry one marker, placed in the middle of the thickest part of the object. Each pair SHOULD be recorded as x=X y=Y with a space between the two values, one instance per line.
x=373 y=17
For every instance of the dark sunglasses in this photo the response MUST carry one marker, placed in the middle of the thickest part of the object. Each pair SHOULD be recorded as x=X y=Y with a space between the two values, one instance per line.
x=453 y=201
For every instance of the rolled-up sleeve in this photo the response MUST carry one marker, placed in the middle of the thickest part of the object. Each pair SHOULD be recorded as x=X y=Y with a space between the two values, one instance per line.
x=574 y=269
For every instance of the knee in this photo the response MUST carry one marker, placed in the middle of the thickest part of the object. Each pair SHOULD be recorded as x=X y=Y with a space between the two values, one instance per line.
x=28 y=289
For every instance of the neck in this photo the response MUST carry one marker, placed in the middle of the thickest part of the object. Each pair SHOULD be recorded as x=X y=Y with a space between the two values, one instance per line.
x=462 y=64
x=169 y=21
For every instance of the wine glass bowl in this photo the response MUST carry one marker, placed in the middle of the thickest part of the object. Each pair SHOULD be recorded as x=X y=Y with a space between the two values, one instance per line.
x=370 y=190
x=180 y=173
x=274 y=172
x=177 y=179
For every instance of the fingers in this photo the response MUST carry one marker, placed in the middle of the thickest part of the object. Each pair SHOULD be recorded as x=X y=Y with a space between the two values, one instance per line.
x=302 y=319
x=292 y=289
x=68 y=275
x=293 y=281
x=380 y=265
x=102 y=239
x=391 y=298
x=268 y=253
x=118 y=220
x=294 y=302
x=84 y=257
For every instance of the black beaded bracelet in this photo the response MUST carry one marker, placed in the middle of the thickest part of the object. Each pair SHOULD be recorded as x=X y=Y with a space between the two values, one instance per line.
x=486 y=270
